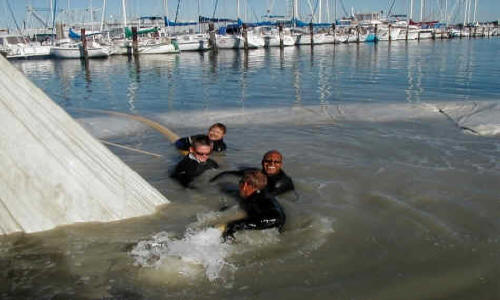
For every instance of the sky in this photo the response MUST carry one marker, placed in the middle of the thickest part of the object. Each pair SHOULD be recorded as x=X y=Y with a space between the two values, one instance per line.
x=250 y=10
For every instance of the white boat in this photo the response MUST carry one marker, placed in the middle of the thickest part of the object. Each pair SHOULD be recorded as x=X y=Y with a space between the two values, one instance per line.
x=19 y=47
x=384 y=33
x=412 y=33
x=425 y=33
x=340 y=38
x=75 y=50
x=157 y=46
x=231 y=41
x=118 y=46
x=192 y=42
x=317 y=39
x=272 y=37
x=459 y=33
x=28 y=51
x=353 y=37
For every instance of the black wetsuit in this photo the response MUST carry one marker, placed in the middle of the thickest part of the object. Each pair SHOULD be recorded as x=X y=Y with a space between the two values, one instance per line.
x=189 y=168
x=279 y=183
x=263 y=212
x=185 y=142
x=276 y=184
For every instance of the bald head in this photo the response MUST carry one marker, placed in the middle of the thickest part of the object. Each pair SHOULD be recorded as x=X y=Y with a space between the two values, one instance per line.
x=272 y=162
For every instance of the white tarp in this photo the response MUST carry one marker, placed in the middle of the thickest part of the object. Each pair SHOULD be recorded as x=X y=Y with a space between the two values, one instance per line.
x=52 y=171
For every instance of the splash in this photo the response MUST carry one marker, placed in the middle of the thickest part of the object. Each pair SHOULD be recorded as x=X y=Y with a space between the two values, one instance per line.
x=199 y=250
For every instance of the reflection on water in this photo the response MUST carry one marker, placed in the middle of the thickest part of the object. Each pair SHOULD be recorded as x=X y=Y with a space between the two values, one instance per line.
x=396 y=72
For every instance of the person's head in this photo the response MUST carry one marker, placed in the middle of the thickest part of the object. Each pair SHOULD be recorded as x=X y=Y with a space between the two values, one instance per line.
x=251 y=182
x=272 y=162
x=216 y=131
x=201 y=148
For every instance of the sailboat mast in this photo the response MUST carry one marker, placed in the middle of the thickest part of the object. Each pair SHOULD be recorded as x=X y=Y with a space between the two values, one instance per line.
x=411 y=11
x=446 y=11
x=475 y=10
x=319 y=19
x=237 y=9
x=422 y=6
x=51 y=4
x=335 y=14
x=465 y=12
x=124 y=10
x=91 y=16
x=165 y=12
x=102 y=15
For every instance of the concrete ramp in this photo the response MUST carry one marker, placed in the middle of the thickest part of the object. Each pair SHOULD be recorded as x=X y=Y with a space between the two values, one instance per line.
x=52 y=171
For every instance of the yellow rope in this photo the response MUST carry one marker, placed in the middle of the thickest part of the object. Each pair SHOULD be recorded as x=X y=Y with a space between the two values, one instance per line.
x=172 y=136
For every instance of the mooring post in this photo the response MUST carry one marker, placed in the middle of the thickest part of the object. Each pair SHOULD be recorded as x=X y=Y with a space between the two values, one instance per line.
x=245 y=36
x=357 y=32
x=280 y=27
x=376 y=31
x=311 y=32
x=83 y=50
x=334 y=34
x=407 y=29
x=211 y=33
x=390 y=37
x=135 y=47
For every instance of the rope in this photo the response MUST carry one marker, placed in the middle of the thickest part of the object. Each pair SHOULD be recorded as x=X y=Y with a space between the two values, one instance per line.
x=130 y=148
x=172 y=136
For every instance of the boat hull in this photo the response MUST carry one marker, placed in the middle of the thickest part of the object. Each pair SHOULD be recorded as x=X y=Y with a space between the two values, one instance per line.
x=77 y=52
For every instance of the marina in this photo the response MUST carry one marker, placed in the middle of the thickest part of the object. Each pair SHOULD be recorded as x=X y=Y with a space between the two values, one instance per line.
x=161 y=35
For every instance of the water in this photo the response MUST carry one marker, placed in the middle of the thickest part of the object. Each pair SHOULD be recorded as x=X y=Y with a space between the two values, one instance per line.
x=394 y=200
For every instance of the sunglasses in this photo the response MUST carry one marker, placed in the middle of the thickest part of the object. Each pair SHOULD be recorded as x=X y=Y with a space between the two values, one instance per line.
x=270 y=161
x=202 y=154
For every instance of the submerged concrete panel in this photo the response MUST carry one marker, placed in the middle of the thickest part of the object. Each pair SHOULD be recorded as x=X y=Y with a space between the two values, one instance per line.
x=52 y=171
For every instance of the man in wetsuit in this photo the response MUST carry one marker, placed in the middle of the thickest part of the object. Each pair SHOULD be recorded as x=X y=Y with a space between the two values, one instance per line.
x=216 y=134
x=196 y=162
x=277 y=180
x=262 y=211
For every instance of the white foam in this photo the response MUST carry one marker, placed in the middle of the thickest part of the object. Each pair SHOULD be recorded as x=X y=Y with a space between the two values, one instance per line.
x=198 y=248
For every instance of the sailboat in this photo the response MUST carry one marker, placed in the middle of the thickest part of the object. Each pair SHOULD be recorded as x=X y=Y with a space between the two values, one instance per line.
x=75 y=50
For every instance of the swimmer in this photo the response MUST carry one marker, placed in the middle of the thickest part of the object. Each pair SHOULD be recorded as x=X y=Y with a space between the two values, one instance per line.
x=196 y=162
x=216 y=134
x=278 y=182
x=262 y=211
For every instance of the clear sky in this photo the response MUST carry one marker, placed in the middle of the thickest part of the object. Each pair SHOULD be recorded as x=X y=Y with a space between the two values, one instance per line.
x=250 y=10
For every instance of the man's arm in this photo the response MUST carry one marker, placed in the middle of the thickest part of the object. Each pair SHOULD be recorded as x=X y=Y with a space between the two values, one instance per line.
x=238 y=173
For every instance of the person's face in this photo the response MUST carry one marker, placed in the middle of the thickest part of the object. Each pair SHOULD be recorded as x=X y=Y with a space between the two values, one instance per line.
x=242 y=186
x=201 y=152
x=272 y=164
x=215 y=134
x=245 y=189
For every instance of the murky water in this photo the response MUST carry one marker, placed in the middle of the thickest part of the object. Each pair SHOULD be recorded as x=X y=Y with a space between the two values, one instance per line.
x=391 y=202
